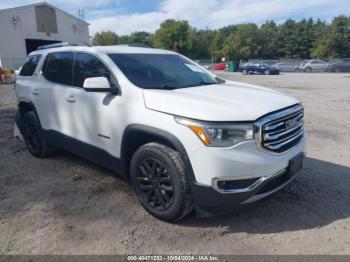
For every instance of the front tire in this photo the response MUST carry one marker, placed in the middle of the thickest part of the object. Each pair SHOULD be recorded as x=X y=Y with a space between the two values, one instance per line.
x=33 y=135
x=158 y=177
x=267 y=72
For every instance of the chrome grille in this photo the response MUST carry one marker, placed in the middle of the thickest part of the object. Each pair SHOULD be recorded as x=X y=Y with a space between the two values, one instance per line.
x=278 y=132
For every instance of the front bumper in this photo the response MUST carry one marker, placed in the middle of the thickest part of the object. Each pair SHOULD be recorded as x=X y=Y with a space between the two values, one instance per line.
x=251 y=169
x=210 y=201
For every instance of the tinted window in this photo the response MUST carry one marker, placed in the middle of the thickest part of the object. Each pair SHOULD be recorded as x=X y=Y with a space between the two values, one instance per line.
x=58 y=67
x=29 y=67
x=161 y=71
x=86 y=66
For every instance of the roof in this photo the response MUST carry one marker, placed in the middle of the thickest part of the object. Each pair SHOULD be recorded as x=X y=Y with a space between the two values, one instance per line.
x=130 y=49
x=38 y=4
x=106 y=49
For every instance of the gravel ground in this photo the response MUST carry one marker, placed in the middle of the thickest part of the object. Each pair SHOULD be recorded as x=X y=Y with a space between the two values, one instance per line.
x=66 y=205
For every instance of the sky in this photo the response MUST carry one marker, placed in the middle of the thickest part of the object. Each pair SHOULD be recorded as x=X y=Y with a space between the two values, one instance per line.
x=127 y=16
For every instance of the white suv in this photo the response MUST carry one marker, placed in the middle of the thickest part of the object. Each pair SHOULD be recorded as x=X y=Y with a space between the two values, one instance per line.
x=184 y=138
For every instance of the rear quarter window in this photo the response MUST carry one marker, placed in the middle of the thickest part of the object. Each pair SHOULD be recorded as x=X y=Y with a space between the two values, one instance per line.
x=30 y=65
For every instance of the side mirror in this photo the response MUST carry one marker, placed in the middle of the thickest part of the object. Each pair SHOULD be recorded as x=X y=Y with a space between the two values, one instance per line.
x=98 y=84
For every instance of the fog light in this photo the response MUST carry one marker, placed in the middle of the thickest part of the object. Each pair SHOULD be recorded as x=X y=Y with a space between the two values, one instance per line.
x=222 y=184
x=236 y=184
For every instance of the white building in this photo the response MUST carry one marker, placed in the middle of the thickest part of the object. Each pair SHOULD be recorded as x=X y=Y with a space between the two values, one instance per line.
x=24 y=28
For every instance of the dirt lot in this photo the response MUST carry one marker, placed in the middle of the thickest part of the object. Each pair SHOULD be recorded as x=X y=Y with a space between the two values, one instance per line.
x=66 y=205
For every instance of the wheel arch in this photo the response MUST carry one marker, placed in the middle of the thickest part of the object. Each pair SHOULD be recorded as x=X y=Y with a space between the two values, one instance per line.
x=25 y=106
x=136 y=135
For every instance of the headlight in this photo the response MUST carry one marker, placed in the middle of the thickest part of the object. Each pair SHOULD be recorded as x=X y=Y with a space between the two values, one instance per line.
x=219 y=135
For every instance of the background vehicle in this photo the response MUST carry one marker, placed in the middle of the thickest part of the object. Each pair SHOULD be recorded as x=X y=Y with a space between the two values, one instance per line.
x=184 y=138
x=206 y=65
x=312 y=65
x=343 y=66
x=220 y=66
x=250 y=68
x=285 y=67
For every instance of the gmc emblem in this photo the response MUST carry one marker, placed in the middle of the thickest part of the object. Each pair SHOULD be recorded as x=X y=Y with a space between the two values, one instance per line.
x=291 y=123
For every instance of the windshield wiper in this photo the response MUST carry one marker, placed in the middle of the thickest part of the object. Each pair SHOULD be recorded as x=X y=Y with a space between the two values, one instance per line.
x=203 y=83
x=163 y=87
x=168 y=87
x=208 y=83
x=220 y=80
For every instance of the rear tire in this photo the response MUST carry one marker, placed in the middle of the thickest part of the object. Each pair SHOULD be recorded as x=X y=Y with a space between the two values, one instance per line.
x=33 y=136
x=267 y=72
x=158 y=177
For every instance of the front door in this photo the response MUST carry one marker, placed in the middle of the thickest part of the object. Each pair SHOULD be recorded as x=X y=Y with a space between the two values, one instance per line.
x=93 y=114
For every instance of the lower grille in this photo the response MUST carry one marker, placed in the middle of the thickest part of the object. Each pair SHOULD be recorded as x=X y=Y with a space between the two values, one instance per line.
x=282 y=130
x=274 y=183
x=236 y=184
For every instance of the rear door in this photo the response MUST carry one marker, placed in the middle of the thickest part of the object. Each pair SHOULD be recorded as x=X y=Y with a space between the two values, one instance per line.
x=318 y=65
x=260 y=68
x=56 y=78
x=27 y=79
x=323 y=65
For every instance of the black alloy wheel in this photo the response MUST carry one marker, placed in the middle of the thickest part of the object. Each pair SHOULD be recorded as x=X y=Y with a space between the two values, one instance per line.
x=31 y=137
x=158 y=176
x=155 y=184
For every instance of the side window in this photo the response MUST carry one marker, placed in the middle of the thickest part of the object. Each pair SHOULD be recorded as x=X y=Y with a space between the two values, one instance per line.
x=86 y=66
x=29 y=67
x=58 y=67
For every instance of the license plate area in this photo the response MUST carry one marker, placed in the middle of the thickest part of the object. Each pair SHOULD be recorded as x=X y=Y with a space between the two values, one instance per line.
x=295 y=165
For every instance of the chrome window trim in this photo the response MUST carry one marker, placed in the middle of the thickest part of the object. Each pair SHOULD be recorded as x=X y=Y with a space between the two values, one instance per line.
x=74 y=53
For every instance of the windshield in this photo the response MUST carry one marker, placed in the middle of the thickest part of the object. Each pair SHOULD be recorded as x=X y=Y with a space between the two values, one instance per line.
x=161 y=71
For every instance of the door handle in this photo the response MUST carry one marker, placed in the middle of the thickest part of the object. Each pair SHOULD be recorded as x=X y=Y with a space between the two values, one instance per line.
x=35 y=92
x=70 y=99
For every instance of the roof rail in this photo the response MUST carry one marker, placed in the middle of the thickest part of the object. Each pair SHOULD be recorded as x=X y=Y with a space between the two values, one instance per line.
x=134 y=45
x=139 y=45
x=62 y=45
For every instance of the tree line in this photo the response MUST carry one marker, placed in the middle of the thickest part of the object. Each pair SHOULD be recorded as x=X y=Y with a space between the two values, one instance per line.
x=304 y=39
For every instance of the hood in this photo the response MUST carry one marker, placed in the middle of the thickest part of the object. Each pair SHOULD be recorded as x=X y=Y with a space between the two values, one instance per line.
x=232 y=101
